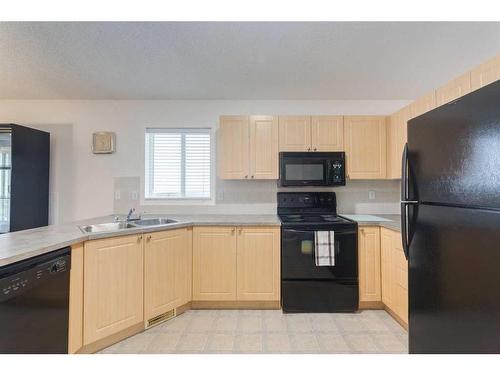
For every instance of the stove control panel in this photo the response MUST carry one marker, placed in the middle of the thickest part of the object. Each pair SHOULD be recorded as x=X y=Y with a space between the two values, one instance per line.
x=307 y=200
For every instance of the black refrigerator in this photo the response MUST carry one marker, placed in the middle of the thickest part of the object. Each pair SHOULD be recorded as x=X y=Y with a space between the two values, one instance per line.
x=24 y=178
x=451 y=225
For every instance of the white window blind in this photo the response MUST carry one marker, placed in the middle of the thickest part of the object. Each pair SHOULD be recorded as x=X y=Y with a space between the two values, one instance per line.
x=178 y=164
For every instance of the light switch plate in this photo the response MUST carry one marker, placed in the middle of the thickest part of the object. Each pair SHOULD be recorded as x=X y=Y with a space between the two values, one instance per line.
x=371 y=195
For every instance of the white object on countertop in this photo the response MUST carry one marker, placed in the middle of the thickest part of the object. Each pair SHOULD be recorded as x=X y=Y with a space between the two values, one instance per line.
x=365 y=218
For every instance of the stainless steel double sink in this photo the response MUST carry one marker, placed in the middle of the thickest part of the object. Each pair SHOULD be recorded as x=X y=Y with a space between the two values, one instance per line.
x=122 y=225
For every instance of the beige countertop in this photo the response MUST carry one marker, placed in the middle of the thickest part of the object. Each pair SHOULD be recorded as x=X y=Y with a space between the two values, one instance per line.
x=387 y=221
x=25 y=244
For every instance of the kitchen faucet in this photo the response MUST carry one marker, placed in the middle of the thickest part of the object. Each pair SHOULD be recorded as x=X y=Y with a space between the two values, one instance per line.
x=130 y=213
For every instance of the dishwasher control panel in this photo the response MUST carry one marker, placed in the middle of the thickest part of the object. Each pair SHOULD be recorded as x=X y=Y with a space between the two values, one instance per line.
x=15 y=284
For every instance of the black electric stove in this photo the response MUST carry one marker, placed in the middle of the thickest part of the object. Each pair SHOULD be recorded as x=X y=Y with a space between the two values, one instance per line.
x=306 y=287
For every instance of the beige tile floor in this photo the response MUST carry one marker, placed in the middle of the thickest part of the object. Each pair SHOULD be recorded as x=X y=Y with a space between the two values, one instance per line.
x=269 y=331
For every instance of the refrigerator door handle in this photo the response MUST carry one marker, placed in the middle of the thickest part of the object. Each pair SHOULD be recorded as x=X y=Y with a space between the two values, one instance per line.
x=405 y=202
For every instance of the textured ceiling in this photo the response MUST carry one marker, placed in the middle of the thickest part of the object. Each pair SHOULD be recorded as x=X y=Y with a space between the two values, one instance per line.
x=174 y=60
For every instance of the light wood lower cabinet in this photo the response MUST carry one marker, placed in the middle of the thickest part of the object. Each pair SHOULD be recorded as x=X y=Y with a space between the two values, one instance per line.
x=236 y=264
x=167 y=271
x=394 y=274
x=113 y=286
x=75 y=329
x=214 y=263
x=369 y=264
x=258 y=264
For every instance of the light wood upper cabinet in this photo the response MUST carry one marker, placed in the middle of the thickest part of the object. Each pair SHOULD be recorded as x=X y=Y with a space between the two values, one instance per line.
x=295 y=133
x=327 y=133
x=233 y=147
x=248 y=147
x=263 y=147
x=485 y=73
x=167 y=270
x=394 y=274
x=365 y=139
x=423 y=104
x=396 y=139
x=458 y=87
x=214 y=263
x=113 y=286
x=369 y=264
x=258 y=264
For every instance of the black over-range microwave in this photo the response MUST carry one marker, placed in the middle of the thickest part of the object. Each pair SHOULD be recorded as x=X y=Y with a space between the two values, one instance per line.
x=312 y=169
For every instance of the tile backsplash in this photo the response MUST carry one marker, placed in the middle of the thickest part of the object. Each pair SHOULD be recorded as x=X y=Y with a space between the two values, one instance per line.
x=259 y=197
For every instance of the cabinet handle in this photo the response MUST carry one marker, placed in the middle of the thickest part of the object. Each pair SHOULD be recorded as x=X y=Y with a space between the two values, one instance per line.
x=246 y=176
x=240 y=230
x=309 y=149
x=139 y=239
x=253 y=176
x=233 y=230
x=315 y=149
x=148 y=238
x=362 y=230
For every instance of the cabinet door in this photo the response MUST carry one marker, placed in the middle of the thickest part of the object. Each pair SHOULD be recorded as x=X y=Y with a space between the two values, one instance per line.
x=232 y=146
x=369 y=264
x=258 y=264
x=75 y=315
x=295 y=133
x=113 y=286
x=396 y=138
x=264 y=147
x=327 y=133
x=365 y=146
x=214 y=264
x=423 y=104
x=166 y=271
x=460 y=86
x=401 y=280
x=485 y=73
x=386 y=267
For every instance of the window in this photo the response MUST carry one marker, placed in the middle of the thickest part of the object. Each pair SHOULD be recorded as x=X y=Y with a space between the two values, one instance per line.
x=178 y=164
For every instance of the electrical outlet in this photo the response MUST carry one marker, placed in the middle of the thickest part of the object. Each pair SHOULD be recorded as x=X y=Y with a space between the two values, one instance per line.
x=371 y=195
x=135 y=195
x=220 y=195
x=117 y=195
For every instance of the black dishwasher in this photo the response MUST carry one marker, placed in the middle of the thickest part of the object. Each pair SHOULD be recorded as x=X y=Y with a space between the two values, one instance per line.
x=34 y=304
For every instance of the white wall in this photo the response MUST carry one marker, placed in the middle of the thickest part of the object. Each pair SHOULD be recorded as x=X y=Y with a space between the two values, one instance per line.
x=83 y=183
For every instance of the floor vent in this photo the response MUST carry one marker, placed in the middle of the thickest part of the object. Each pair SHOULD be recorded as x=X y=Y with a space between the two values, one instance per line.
x=161 y=318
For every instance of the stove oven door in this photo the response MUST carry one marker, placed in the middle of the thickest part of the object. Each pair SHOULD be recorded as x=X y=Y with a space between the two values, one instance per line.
x=306 y=287
x=297 y=256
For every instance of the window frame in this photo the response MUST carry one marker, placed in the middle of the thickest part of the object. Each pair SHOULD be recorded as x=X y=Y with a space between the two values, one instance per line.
x=145 y=185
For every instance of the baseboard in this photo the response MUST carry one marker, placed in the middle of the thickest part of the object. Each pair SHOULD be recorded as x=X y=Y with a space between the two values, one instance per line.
x=371 y=305
x=182 y=309
x=396 y=317
x=251 y=305
x=110 y=340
